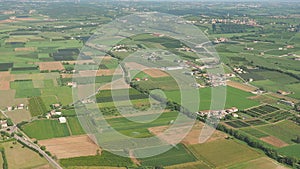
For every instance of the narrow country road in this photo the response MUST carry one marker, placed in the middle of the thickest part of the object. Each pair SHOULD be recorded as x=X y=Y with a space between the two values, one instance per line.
x=26 y=140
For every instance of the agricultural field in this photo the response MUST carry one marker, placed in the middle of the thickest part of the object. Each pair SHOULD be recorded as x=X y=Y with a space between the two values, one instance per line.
x=105 y=159
x=22 y=157
x=37 y=106
x=292 y=150
x=232 y=152
x=179 y=152
x=119 y=95
x=285 y=130
x=237 y=124
x=140 y=130
x=45 y=129
x=234 y=96
x=260 y=163
x=18 y=116
x=75 y=126
x=24 y=89
x=191 y=165
x=254 y=132
x=69 y=147
x=61 y=94
x=159 y=82
x=267 y=113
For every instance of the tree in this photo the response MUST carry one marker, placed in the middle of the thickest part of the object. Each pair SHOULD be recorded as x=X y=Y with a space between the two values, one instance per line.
x=297 y=140
x=214 y=27
x=43 y=148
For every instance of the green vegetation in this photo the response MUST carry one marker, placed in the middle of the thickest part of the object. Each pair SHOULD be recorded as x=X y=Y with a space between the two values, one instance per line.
x=179 y=152
x=292 y=150
x=45 y=129
x=24 y=89
x=254 y=132
x=37 y=106
x=140 y=130
x=76 y=128
x=285 y=130
x=237 y=124
x=105 y=159
x=119 y=95
x=234 y=96
x=223 y=153
x=63 y=94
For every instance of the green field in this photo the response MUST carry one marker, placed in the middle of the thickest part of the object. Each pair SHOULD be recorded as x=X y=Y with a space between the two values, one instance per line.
x=285 y=130
x=37 y=106
x=235 y=98
x=105 y=159
x=24 y=89
x=260 y=163
x=49 y=100
x=45 y=129
x=70 y=112
x=223 y=153
x=292 y=150
x=137 y=103
x=75 y=126
x=179 y=152
x=191 y=165
x=119 y=95
x=254 y=132
x=63 y=94
x=140 y=130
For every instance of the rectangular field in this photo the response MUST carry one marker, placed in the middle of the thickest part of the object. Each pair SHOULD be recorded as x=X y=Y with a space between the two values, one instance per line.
x=235 y=98
x=254 y=132
x=237 y=124
x=133 y=129
x=45 y=129
x=37 y=106
x=20 y=157
x=179 y=152
x=75 y=126
x=68 y=147
x=260 y=163
x=105 y=159
x=232 y=153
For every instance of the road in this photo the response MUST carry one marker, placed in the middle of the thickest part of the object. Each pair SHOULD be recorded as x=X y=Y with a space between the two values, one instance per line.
x=27 y=141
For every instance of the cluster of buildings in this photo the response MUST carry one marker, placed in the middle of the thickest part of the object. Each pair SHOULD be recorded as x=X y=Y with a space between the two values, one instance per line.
x=72 y=84
x=123 y=48
x=220 y=114
x=220 y=40
x=55 y=114
x=17 y=107
x=139 y=79
x=239 y=70
x=246 y=21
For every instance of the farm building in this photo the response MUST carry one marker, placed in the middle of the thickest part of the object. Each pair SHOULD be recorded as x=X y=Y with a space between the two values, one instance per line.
x=62 y=120
x=9 y=108
x=3 y=124
x=283 y=92
x=286 y=102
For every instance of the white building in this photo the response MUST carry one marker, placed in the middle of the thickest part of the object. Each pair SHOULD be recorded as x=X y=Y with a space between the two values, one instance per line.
x=62 y=120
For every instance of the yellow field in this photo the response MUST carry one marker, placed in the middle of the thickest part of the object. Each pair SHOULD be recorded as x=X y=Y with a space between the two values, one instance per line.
x=18 y=157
